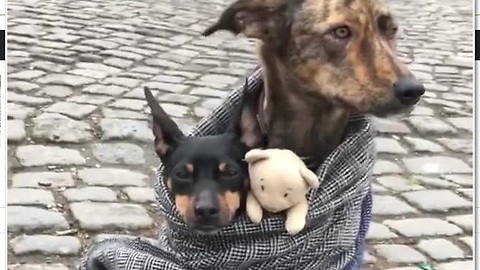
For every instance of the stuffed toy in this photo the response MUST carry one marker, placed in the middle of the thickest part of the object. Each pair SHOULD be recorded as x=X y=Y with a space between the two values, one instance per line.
x=279 y=181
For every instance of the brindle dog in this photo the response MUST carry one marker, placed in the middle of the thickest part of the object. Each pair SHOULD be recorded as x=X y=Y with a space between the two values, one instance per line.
x=323 y=60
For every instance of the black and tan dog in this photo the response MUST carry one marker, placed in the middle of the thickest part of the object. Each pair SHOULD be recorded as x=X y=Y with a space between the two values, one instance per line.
x=206 y=176
x=322 y=61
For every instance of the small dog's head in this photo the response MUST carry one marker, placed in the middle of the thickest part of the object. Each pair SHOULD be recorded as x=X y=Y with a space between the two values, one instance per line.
x=341 y=50
x=206 y=176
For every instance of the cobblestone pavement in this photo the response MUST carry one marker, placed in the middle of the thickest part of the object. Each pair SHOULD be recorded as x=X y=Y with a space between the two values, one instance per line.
x=80 y=161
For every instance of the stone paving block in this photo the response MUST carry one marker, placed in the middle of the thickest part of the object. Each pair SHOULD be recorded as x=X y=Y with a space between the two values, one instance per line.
x=423 y=145
x=465 y=180
x=399 y=253
x=385 y=167
x=90 y=99
x=440 y=249
x=65 y=79
x=368 y=258
x=17 y=111
x=458 y=265
x=29 y=196
x=30 y=266
x=178 y=98
x=423 y=227
x=437 y=182
x=74 y=110
x=389 y=205
x=469 y=241
x=378 y=231
x=23 y=218
x=45 y=179
x=125 y=129
x=105 y=236
x=427 y=125
x=112 y=177
x=129 y=104
x=125 y=114
x=376 y=188
x=95 y=194
x=59 y=128
x=21 y=86
x=389 y=146
x=40 y=155
x=463 y=221
x=111 y=90
x=59 y=91
x=140 y=195
x=100 y=216
x=458 y=145
x=465 y=123
x=118 y=153
x=437 y=200
x=398 y=183
x=26 y=99
x=436 y=165
x=16 y=130
x=45 y=244
x=467 y=192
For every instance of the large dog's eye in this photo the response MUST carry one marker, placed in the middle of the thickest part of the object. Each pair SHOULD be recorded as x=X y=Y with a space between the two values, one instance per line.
x=342 y=32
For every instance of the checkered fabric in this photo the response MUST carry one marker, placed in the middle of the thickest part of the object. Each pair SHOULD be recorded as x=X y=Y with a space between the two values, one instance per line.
x=338 y=218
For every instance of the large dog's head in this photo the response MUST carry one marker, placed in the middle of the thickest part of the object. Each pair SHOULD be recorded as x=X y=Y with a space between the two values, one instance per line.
x=341 y=50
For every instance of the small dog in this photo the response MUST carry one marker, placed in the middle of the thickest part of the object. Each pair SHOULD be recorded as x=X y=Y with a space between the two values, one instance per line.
x=207 y=176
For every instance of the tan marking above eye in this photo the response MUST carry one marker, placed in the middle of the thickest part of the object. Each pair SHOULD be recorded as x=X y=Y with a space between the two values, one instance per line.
x=222 y=167
x=189 y=167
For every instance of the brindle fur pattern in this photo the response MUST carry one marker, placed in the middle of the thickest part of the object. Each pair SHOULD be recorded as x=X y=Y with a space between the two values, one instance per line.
x=313 y=79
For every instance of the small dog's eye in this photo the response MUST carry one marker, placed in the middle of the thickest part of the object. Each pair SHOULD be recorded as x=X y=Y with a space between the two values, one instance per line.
x=182 y=174
x=342 y=32
x=285 y=195
x=230 y=173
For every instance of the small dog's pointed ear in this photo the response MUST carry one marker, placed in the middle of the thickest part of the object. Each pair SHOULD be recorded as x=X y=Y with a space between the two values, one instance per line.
x=166 y=132
x=261 y=19
x=244 y=123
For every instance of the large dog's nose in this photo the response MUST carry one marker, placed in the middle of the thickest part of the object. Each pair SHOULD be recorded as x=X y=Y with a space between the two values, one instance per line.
x=408 y=90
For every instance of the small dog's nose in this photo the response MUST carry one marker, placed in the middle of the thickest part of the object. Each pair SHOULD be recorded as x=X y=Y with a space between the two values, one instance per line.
x=408 y=90
x=206 y=210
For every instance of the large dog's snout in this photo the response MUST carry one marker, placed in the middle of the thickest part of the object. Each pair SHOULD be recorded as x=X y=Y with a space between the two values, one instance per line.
x=206 y=206
x=408 y=90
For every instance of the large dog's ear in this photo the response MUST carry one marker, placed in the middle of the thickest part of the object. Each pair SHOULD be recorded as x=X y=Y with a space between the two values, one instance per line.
x=166 y=132
x=260 y=19
x=244 y=123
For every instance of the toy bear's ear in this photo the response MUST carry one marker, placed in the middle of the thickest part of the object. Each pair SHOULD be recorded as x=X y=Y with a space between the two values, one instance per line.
x=309 y=177
x=255 y=155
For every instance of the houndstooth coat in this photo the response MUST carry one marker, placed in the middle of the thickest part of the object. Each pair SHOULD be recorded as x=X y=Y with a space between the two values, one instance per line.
x=338 y=218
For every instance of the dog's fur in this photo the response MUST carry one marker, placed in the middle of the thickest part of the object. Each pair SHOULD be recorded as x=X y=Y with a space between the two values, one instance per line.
x=322 y=61
x=206 y=176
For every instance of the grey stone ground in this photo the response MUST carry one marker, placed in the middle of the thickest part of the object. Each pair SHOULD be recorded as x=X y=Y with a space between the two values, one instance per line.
x=80 y=161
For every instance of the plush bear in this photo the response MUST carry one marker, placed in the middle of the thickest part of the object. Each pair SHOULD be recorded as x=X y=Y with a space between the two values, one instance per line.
x=279 y=181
